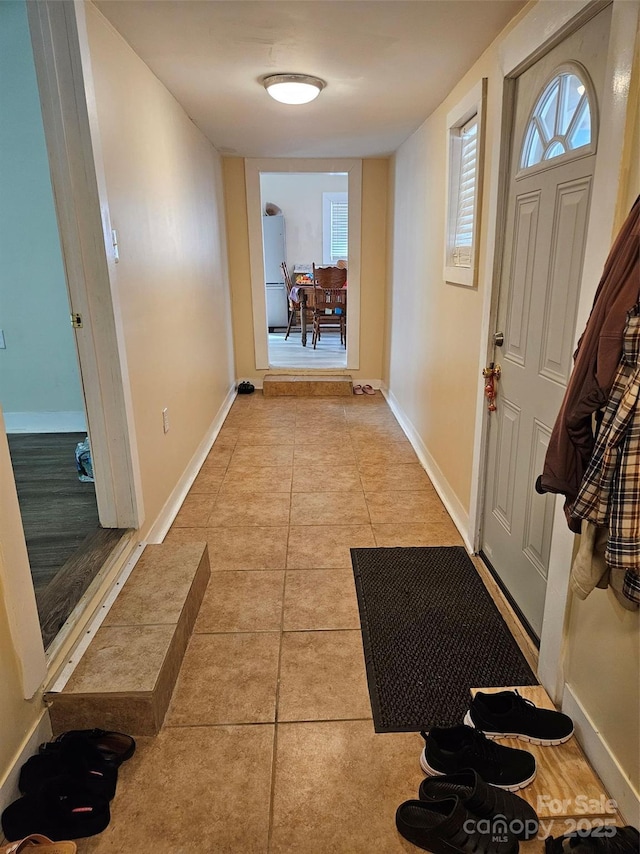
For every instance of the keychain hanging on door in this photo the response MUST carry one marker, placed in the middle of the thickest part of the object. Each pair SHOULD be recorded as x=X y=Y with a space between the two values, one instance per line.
x=491 y=374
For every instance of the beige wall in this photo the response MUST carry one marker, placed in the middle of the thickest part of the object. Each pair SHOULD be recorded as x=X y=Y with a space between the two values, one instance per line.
x=373 y=275
x=433 y=371
x=603 y=673
x=164 y=187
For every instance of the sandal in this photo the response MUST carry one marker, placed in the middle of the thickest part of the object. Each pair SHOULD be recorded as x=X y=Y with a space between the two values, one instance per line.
x=75 y=758
x=62 y=809
x=115 y=747
x=357 y=389
x=42 y=843
x=367 y=389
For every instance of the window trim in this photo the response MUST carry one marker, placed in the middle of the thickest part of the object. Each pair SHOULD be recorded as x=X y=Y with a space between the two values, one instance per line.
x=473 y=104
x=329 y=199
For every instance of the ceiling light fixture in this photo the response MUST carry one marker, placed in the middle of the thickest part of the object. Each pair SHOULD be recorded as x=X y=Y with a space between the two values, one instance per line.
x=293 y=88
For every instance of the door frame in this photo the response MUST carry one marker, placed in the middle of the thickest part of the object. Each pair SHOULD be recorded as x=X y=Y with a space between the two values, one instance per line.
x=541 y=29
x=253 y=168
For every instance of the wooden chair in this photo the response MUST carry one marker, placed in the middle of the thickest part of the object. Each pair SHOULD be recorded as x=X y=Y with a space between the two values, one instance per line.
x=294 y=305
x=330 y=297
x=329 y=277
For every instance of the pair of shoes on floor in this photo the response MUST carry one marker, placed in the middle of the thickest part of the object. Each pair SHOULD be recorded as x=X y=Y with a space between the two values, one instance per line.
x=596 y=840
x=461 y=813
x=42 y=843
x=503 y=714
x=363 y=389
x=67 y=786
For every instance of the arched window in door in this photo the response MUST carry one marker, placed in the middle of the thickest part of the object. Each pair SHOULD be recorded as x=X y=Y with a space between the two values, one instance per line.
x=563 y=119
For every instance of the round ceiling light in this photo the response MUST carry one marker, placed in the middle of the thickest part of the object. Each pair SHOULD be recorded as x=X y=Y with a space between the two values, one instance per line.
x=293 y=88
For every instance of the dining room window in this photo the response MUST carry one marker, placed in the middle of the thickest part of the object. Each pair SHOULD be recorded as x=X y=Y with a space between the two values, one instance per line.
x=335 y=227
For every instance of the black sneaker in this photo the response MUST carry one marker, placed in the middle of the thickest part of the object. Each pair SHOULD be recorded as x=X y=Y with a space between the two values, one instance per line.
x=448 y=750
x=444 y=827
x=502 y=808
x=596 y=840
x=508 y=715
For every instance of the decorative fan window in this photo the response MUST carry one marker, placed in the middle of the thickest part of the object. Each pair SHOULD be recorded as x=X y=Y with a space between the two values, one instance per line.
x=561 y=121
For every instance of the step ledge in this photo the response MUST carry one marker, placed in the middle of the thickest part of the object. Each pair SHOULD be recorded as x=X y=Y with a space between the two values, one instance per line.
x=305 y=385
x=144 y=633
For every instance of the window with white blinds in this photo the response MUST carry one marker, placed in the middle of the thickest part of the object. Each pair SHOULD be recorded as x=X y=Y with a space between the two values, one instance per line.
x=462 y=243
x=335 y=227
x=464 y=187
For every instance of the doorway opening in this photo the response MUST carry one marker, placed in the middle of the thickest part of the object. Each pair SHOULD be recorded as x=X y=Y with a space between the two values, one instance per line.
x=294 y=188
x=305 y=223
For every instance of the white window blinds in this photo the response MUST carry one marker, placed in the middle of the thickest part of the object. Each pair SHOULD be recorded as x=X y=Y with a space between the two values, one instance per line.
x=462 y=243
x=339 y=230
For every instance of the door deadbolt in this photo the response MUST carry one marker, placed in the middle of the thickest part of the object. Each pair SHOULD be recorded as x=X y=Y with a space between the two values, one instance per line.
x=498 y=339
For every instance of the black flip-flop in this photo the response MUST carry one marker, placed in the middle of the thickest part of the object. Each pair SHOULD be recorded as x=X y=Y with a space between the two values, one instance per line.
x=75 y=758
x=62 y=809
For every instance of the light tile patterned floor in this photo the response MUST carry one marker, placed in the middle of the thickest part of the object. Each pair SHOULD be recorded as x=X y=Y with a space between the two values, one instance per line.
x=268 y=745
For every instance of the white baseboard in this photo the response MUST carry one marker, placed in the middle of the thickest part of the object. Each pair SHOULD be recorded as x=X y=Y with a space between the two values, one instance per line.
x=602 y=759
x=45 y=422
x=9 y=786
x=450 y=500
x=170 y=510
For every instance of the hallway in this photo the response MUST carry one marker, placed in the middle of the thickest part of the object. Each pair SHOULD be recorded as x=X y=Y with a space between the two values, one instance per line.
x=268 y=744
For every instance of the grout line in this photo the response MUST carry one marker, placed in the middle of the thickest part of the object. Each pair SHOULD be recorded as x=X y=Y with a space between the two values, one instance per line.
x=274 y=754
x=275 y=724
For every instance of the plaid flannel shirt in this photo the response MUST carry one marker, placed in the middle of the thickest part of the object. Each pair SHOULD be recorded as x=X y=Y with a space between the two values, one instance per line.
x=609 y=494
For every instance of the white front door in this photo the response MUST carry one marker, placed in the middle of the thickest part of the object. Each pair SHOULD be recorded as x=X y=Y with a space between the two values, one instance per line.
x=553 y=156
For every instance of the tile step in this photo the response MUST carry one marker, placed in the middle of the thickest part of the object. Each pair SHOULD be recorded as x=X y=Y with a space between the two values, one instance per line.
x=283 y=385
x=126 y=676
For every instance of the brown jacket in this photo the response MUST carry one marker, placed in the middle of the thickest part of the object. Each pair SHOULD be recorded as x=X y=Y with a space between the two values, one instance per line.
x=595 y=363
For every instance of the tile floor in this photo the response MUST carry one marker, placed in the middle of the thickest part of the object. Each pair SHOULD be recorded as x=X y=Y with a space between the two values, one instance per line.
x=268 y=745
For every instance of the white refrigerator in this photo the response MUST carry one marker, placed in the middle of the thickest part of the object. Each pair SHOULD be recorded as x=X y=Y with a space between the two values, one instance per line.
x=274 y=254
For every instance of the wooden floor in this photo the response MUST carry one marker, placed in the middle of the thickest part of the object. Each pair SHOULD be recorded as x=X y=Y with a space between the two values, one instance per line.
x=329 y=353
x=58 y=511
x=65 y=542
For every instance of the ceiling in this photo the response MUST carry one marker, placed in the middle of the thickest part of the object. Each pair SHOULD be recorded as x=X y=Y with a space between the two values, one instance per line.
x=387 y=64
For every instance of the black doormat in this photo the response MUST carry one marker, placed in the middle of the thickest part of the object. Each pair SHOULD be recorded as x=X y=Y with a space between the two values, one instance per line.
x=430 y=632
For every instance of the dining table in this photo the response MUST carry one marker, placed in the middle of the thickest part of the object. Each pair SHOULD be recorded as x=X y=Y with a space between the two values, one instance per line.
x=300 y=294
x=304 y=294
